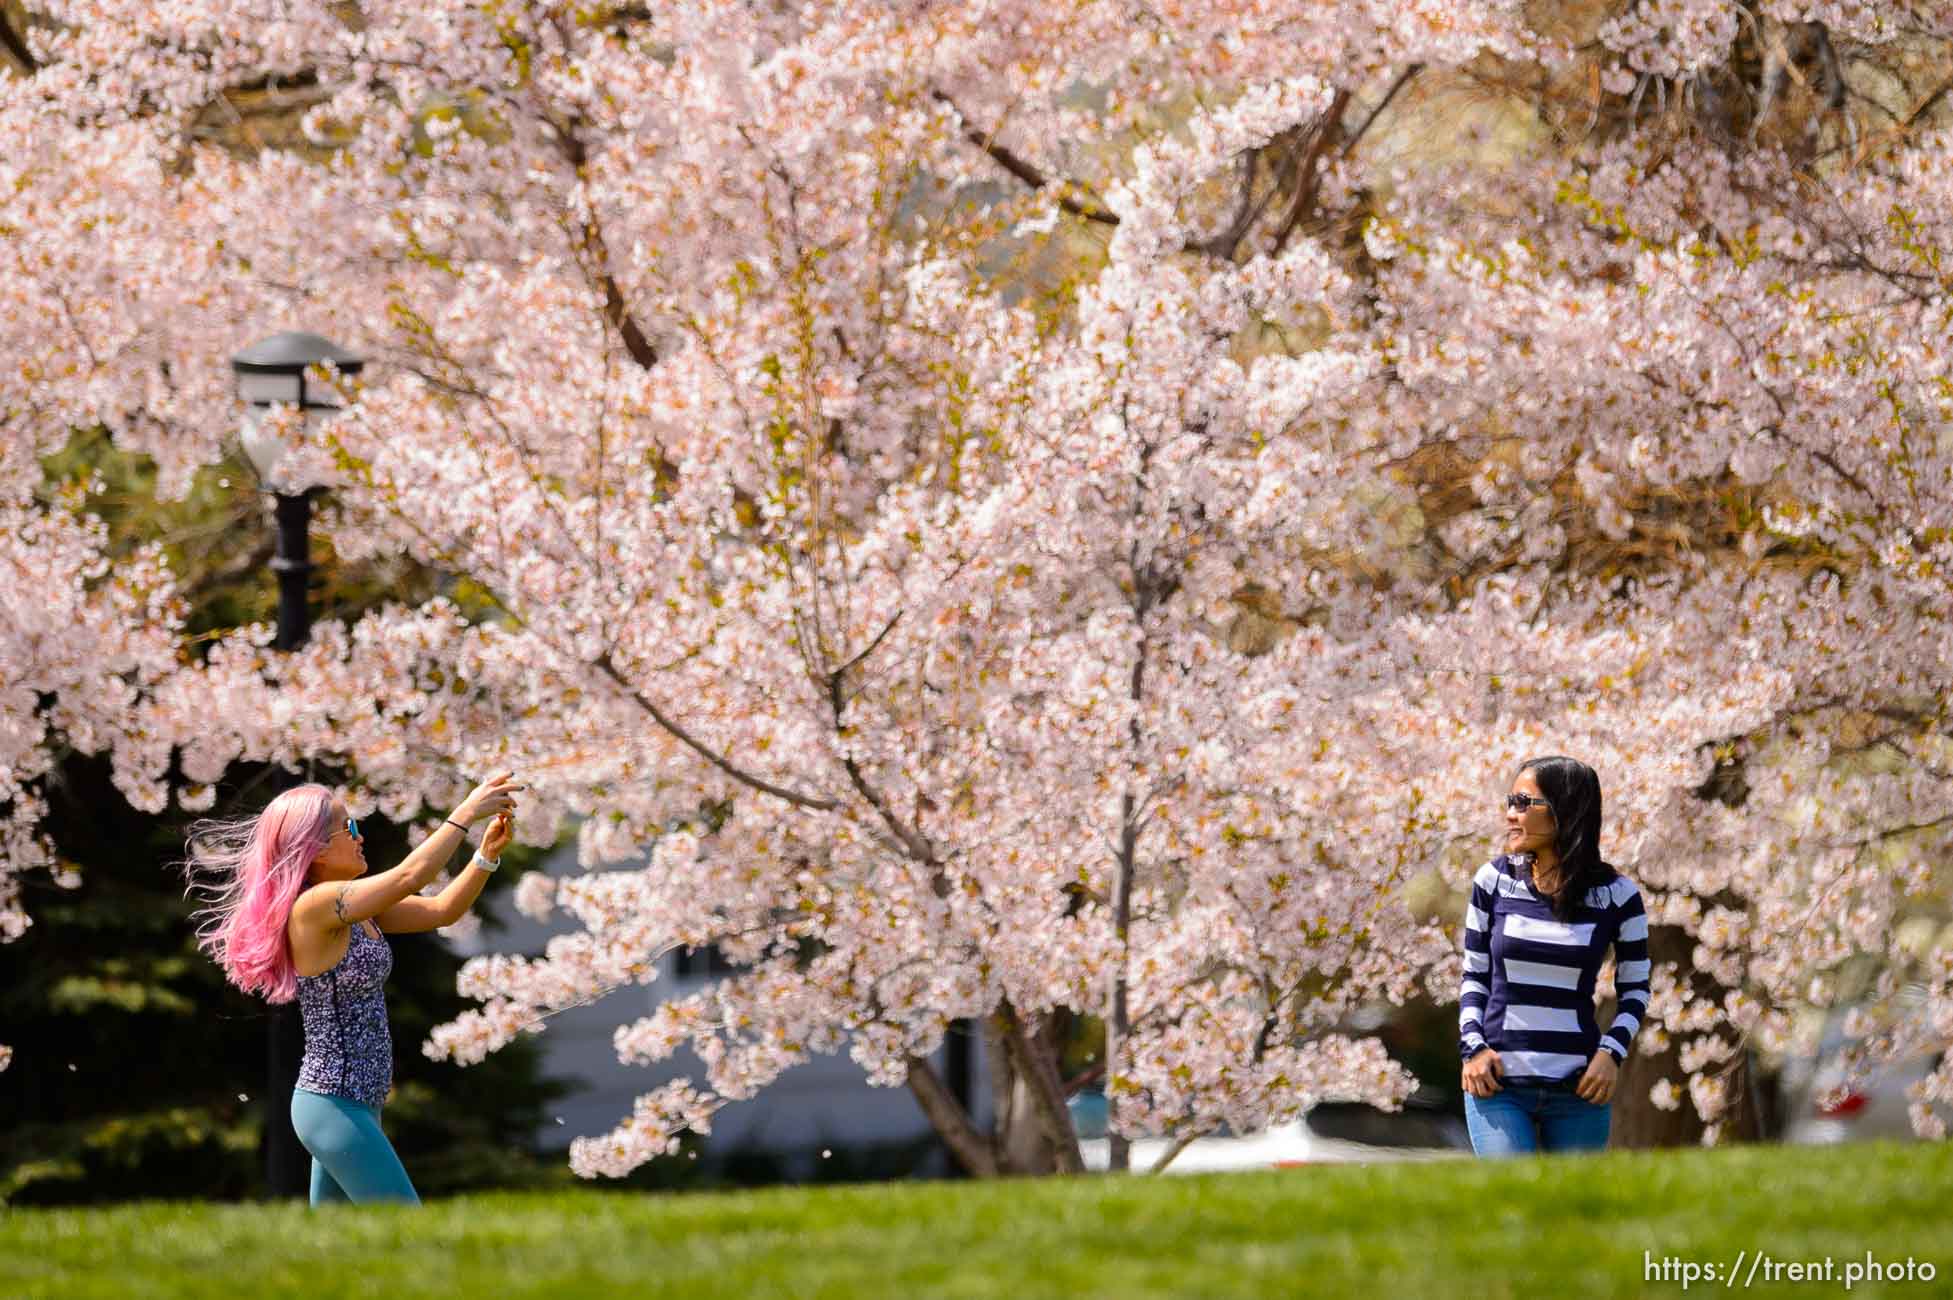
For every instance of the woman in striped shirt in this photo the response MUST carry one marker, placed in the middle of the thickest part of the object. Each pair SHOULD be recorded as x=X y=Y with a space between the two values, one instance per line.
x=1539 y=1074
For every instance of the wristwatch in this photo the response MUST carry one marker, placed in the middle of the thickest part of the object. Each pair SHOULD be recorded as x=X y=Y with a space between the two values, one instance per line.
x=485 y=863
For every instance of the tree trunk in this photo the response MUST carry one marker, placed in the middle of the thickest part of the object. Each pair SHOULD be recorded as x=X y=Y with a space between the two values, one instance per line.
x=1033 y=1056
x=1638 y=1122
x=1027 y=1148
x=970 y=1146
x=1032 y=1133
x=1118 y=1024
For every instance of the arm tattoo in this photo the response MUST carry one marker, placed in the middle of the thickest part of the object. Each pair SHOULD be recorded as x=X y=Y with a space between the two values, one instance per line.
x=339 y=904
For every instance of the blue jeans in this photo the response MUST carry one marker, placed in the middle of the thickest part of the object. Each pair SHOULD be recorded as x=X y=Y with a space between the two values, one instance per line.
x=351 y=1158
x=1520 y=1119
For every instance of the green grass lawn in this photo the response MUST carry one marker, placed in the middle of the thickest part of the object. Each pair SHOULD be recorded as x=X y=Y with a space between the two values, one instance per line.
x=1554 y=1226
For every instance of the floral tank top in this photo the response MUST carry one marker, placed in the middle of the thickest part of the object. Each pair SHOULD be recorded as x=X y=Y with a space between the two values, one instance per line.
x=348 y=1046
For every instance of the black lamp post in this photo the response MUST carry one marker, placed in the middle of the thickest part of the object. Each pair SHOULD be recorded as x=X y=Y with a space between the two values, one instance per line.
x=272 y=373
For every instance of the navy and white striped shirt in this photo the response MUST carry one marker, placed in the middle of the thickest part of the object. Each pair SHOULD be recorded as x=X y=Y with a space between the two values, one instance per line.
x=1528 y=991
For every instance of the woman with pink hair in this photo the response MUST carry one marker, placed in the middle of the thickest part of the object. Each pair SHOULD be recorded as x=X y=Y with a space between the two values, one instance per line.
x=291 y=913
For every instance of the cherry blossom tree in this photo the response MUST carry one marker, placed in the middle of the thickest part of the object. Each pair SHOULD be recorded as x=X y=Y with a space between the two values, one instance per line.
x=1038 y=513
x=82 y=648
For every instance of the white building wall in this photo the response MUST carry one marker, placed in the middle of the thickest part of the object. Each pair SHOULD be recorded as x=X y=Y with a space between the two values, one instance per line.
x=824 y=1102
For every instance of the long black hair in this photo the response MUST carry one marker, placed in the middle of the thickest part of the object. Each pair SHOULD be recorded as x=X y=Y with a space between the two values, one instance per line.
x=1572 y=789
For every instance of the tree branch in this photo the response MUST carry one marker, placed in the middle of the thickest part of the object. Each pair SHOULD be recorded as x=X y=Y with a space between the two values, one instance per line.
x=616 y=310
x=1834 y=82
x=1776 y=66
x=951 y=1122
x=1172 y=1153
x=16 y=45
x=224 y=576
x=913 y=841
x=1403 y=80
x=1927 y=104
x=608 y=667
x=1229 y=240
x=1024 y=170
x=1322 y=137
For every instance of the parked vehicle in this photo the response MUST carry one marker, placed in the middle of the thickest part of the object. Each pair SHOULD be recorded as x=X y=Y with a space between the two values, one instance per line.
x=1305 y=1141
x=1820 y=1109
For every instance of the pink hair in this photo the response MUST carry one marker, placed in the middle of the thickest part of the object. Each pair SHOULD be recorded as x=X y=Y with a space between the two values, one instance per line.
x=249 y=873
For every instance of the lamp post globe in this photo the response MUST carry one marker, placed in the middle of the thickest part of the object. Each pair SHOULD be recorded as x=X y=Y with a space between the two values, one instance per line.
x=275 y=372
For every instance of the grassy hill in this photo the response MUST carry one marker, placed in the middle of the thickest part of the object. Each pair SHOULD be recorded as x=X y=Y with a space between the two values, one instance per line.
x=1558 y=1226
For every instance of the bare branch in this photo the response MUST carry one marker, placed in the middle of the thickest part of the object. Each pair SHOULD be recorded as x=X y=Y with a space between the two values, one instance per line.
x=872 y=645
x=1323 y=136
x=608 y=667
x=1403 y=79
x=913 y=841
x=1023 y=170
x=597 y=255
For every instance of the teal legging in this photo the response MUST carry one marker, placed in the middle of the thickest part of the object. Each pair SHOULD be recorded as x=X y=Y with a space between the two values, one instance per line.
x=351 y=1158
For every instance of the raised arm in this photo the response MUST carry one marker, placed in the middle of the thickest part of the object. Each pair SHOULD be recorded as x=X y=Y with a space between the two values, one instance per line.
x=417 y=914
x=341 y=903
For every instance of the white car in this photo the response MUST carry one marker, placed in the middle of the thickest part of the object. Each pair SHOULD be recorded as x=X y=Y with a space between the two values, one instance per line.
x=1283 y=1146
